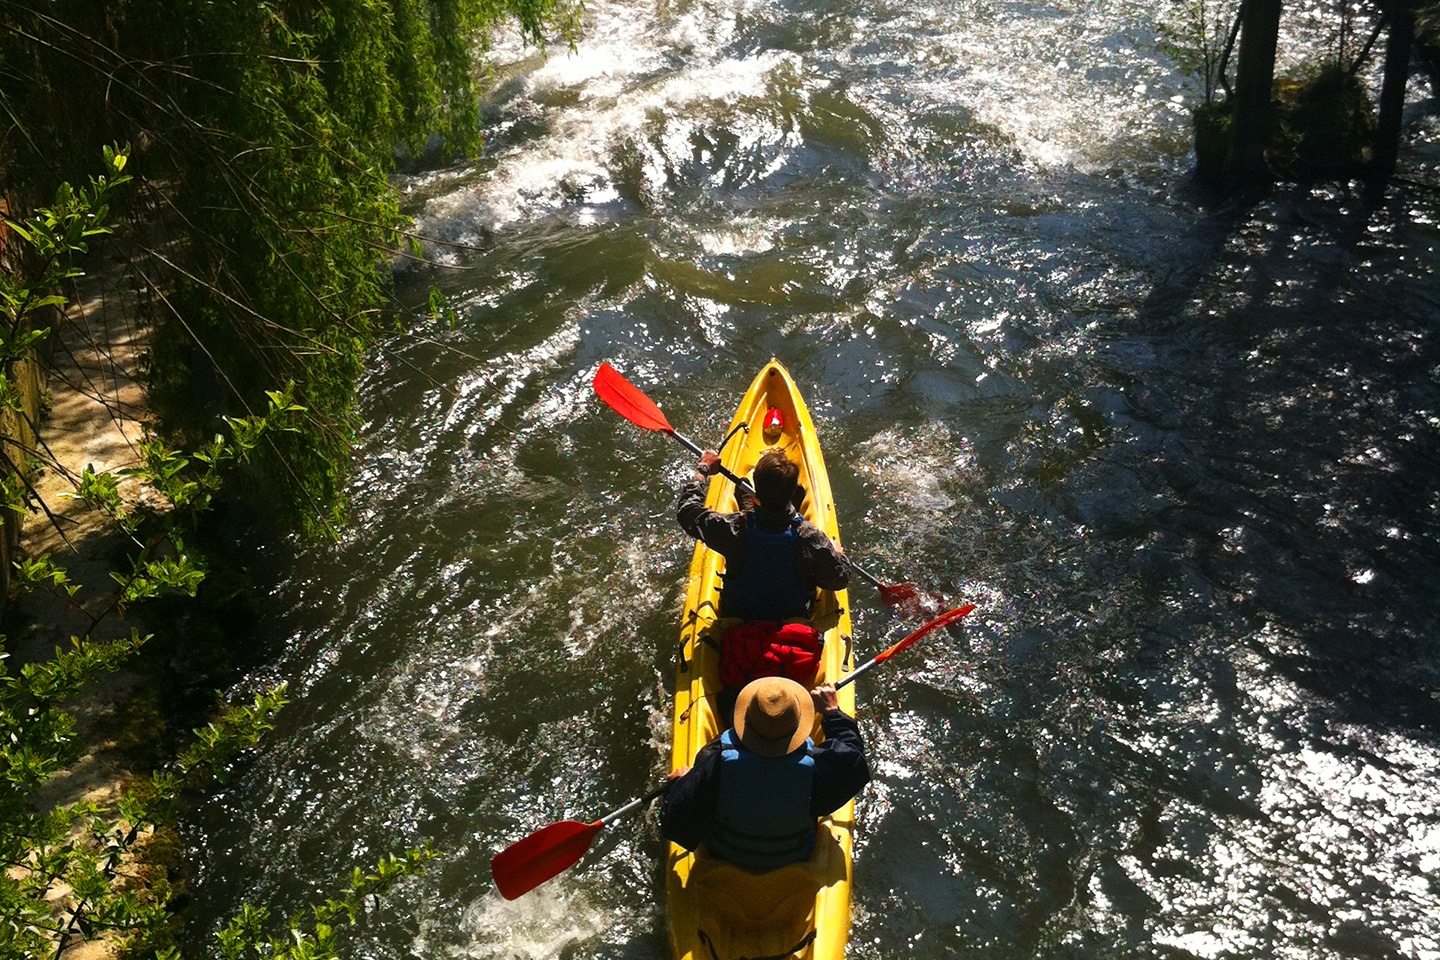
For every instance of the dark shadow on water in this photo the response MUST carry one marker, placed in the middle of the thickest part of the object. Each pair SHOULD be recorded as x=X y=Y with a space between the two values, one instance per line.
x=1294 y=414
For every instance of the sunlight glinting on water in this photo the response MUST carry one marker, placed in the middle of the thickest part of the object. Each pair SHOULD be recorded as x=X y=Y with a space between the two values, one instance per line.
x=637 y=97
x=1086 y=93
x=1351 y=829
x=575 y=159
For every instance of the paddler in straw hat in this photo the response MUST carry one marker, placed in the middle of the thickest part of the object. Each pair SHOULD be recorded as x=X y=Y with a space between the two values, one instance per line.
x=756 y=791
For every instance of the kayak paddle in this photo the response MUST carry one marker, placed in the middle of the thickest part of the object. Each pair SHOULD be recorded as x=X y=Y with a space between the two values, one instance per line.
x=553 y=849
x=630 y=402
x=529 y=862
x=944 y=620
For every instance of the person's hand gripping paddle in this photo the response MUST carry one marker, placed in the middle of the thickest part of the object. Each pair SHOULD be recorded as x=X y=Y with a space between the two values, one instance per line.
x=630 y=402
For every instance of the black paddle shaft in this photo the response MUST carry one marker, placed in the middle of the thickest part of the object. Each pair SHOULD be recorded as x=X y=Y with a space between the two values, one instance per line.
x=637 y=803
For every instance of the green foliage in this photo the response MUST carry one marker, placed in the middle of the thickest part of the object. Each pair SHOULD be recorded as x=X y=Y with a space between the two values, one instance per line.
x=102 y=491
x=440 y=308
x=164 y=467
x=238 y=728
x=275 y=126
x=293 y=231
x=53 y=234
x=218 y=742
x=81 y=846
x=75 y=845
x=242 y=936
x=68 y=869
x=46 y=684
x=1325 y=123
x=33 y=572
x=1211 y=122
x=13 y=489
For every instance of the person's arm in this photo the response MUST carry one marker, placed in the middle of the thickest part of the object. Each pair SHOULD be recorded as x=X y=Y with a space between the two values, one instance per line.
x=821 y=561
x=691 y=507
x=722 y=532
x=841 y=770
x=689 y=806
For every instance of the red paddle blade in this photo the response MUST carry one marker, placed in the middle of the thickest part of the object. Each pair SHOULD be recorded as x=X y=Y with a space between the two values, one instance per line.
x=625 y=398
x=892 y=594
x=944 y=620
x=529 y=862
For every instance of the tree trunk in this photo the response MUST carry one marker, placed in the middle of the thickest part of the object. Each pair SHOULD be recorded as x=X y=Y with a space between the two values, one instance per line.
x=1254 y=78
x=1392 y=95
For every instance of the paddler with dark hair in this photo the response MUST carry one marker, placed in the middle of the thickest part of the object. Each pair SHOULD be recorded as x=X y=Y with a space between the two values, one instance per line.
x=755 y=792
x=775 y=559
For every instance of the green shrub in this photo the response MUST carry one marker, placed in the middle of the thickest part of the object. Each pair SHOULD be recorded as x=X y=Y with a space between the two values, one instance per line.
x=1325 y=126
x=80 y=871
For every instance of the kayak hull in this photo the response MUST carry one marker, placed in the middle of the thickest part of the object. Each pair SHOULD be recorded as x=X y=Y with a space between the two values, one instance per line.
x=716 y=910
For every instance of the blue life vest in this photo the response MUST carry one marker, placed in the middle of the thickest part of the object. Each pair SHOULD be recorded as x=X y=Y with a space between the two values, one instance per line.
x=762 y=816
x=765 y=587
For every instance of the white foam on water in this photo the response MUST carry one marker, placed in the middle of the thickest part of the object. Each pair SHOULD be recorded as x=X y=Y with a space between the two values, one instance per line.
x=634 y=78
x=745 y=236
x=914 y=467
x=541 y=924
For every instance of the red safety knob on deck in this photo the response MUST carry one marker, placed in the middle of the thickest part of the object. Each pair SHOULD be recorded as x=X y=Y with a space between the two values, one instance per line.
x=774 y=423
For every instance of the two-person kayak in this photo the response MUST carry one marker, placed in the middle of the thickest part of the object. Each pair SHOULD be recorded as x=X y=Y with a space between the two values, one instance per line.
x=716 y=910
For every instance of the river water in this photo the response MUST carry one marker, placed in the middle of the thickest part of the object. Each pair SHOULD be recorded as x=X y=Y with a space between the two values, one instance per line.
x=1183 y=454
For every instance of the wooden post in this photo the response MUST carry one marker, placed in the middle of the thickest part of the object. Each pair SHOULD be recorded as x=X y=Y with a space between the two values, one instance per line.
x=1386 y=147
x=17 y=426
x=1254 y=79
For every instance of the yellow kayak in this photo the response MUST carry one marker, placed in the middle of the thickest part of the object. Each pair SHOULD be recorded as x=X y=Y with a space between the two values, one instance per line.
x=718 y=911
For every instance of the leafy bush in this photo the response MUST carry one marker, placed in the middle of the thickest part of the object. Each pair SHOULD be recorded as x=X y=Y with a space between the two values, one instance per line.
x=1325 y=126
x=78 y=871
x=269 y=132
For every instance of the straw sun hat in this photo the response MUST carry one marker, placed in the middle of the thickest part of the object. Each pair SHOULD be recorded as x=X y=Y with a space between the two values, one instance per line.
x=773 y=716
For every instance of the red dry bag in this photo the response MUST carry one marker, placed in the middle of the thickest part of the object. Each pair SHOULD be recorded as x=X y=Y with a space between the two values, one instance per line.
x=763 y=648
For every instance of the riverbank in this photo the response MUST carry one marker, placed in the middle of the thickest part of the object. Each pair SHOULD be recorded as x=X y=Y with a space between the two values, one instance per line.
x=93 y=416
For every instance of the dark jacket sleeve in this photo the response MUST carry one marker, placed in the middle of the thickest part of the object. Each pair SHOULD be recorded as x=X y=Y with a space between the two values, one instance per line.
x=819 y=561
x=722 y=532
x=690 y=802
x=841 y=770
